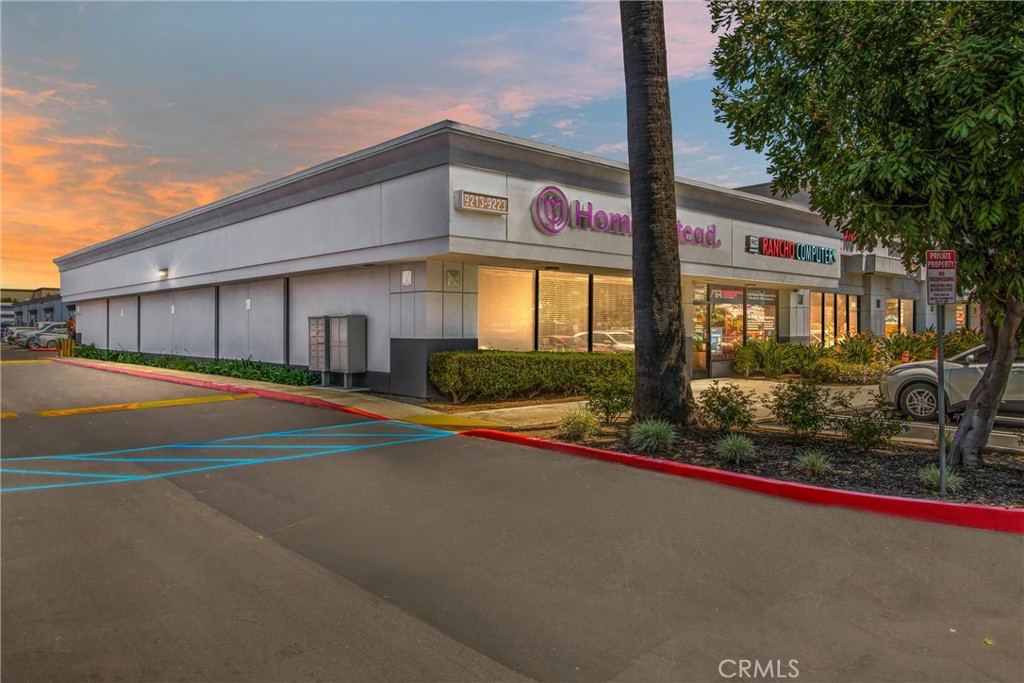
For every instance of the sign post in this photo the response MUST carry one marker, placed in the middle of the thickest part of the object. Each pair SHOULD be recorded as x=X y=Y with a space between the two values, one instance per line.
x=941 y=284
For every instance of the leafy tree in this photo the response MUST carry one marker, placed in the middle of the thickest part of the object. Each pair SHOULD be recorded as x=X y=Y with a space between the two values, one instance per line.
x=903 y=121
x=661 y=389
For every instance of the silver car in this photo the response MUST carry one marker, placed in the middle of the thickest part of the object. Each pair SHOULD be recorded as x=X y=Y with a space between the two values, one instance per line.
x=913 y=387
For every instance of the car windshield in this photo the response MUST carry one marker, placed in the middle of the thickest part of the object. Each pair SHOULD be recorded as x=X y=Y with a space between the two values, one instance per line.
x=621 y=337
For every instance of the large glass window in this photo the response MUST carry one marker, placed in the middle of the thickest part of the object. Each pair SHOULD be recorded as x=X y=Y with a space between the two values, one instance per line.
x=762 y=313
x=562 y=312
x=853 y=317
x=842 y=323
x=505 y=309
x=830 y=319
x=817 y=317
x=700 y=330
x=726 y=321
x=613 y=314
x=961 y=316
x=899 y=316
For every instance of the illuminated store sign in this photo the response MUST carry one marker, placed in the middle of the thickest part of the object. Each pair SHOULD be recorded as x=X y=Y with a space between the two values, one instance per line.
x=769 y=246
x=553 y=212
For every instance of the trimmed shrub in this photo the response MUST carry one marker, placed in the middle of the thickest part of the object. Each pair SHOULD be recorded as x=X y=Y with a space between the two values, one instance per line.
x=724 y=407
x=610 y=396
x=577 y=424
x=649 y=436
x=736 y=448
x=832 y=371
x=861 y=348
x=814 y=463
x=240 y=368
x=462 y=375
x=773 y=359
x=804 y=407
x=872 y=427
x=931 y=477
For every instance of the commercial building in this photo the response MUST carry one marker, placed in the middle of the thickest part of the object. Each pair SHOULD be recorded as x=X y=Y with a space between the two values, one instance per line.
x=454 y=237
x=44 y=306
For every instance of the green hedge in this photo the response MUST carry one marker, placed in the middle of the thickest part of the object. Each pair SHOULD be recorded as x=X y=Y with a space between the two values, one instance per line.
x=244 y=368
x=462 y=375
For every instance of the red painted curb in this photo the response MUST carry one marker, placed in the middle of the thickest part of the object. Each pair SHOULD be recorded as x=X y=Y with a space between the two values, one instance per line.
x=957 y=514
x=220 y=386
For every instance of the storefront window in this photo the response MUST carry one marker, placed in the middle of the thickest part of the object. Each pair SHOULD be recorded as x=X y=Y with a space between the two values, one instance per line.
x=961 y=316
x=852 y=319
x=817 y=313
x=505 y=309
x=899 y=316
x=700 y=330
x=726 y=321
x=562 y=312
x=613 y=314
x=842 y=324
x=762 y=313
x=830 y=319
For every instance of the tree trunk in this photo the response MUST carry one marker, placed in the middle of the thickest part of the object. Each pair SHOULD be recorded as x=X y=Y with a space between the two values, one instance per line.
x=980 y=416
x=662 y=389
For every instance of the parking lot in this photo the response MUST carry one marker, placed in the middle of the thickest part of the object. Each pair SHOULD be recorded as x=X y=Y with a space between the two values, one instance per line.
x=153 y=531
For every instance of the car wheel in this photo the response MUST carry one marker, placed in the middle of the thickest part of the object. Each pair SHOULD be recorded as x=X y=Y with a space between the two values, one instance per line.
x=53 y=344
x=32 y=343
x=920 y=401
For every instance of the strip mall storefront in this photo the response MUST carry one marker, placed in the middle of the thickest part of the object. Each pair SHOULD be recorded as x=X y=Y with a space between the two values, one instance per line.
x=456 y=237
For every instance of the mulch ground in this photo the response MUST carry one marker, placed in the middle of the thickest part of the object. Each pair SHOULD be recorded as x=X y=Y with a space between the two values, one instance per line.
x=891 y=471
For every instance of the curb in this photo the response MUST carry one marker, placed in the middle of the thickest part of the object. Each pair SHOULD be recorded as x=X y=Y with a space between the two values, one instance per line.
x=43 y=350
x=233 y=388
x=956 y=514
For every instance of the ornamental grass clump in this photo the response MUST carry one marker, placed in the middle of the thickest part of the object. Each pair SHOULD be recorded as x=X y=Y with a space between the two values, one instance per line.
x=736 y=448
x=930 y=477
x=577 y=424
x=814 y=463
x=649 y=436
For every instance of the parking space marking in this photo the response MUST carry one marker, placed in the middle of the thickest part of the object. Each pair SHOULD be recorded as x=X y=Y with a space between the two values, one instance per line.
x=4 y=416
x=34 y=360
x=142 y=405
x=298 y=442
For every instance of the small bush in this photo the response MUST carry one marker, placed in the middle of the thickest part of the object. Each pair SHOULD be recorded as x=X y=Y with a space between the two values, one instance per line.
x=872 y=427
x=805 y=356
x=832 y=371
x=744 y=361
x=804 y=407
x=724 y=407
x=814 y=463
x=915 y=346
x=649 y=436
x=823 y=371
x=577 y=424
x=931 y=478
x=861 y=348
x=610 y=396
x=958 y=341
x=773 y=359
x=736 y=448
x=950 y=434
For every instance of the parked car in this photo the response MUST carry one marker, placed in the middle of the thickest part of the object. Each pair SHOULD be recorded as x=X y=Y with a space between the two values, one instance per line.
x=608 y=342
x=28 y=338
x=47 y=340
x=913 y=387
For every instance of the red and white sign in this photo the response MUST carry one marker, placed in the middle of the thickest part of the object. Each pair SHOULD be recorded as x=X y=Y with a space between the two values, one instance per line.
x=941 y=276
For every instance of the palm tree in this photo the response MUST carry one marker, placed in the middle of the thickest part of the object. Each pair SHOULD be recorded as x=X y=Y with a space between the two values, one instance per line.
x=662 y=389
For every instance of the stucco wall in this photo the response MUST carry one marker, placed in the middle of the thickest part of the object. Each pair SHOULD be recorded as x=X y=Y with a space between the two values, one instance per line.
x=91 y=322
x=252 y=321
x=179 y=323
x=124 y=323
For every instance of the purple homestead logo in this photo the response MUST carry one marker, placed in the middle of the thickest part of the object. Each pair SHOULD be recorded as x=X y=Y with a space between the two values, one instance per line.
x=553 y=212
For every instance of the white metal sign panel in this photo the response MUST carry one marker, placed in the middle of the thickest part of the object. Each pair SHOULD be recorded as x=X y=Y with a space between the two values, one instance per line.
x=941 y=276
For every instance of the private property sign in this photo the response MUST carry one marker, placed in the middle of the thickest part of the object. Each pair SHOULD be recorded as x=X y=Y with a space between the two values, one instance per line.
x=941 y=277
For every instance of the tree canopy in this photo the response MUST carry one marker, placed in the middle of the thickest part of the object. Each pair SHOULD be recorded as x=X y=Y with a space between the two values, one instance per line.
x=902 y=120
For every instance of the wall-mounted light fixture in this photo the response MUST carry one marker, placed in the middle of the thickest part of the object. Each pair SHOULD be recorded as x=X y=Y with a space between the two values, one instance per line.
x=162 y=272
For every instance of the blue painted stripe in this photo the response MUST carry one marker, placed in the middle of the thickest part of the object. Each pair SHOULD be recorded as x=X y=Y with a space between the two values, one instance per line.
x=69 y=474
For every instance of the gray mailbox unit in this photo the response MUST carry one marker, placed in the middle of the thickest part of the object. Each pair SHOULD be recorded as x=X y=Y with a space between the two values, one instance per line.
x=337 y=343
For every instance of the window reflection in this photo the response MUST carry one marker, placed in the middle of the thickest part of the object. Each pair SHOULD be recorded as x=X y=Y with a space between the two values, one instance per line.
x=505 y=309
x=562 y=312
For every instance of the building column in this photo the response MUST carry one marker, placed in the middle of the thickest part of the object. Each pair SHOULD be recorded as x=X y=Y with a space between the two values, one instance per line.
x=795 y=316
x=872 y=310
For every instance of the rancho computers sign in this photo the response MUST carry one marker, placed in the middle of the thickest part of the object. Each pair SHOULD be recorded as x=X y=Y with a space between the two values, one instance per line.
x=553 y=212
x=770 y=246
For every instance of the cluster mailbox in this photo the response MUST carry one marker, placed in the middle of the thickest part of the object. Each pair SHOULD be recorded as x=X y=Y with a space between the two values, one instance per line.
x=337 y=343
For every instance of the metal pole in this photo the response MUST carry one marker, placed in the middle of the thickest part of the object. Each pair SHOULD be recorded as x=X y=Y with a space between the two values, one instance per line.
x=941 y=319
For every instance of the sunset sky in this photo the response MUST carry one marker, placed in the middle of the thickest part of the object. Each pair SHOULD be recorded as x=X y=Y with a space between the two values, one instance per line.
x=119 y=115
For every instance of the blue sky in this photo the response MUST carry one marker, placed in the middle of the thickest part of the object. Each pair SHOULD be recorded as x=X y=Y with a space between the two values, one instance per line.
x=118 y=115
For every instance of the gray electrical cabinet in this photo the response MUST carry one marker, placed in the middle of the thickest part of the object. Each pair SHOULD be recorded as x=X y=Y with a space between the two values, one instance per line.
x=347 y=344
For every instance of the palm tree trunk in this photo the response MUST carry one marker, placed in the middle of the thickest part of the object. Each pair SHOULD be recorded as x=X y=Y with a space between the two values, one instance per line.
x=662 y=389
x=980 y=416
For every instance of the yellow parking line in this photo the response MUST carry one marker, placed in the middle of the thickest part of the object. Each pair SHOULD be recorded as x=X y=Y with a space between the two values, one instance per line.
x=41 y=360
x=145 y=404
x=4 y=416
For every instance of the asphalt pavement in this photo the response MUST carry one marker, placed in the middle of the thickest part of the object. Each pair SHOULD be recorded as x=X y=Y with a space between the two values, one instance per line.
x=175 y=535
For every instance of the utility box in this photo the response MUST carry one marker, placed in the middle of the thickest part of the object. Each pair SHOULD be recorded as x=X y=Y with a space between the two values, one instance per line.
x=346 y=340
